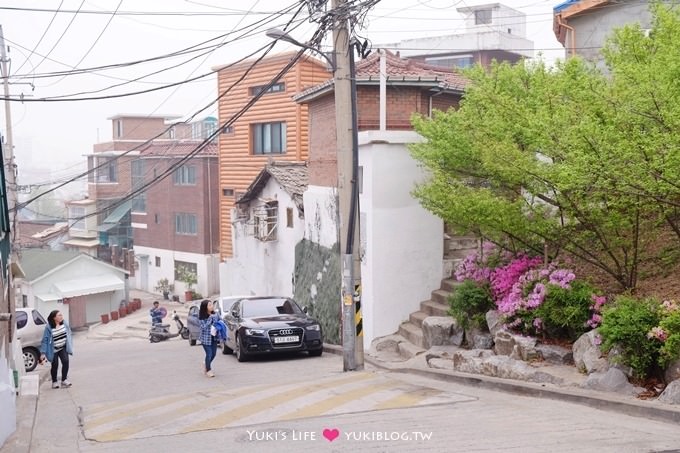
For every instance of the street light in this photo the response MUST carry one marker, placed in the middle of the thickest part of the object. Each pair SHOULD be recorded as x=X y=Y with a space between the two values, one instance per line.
x=347 y=142
x=280 y=35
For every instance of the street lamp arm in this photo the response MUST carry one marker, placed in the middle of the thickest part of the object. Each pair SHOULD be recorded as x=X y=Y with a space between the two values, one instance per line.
x=281 y=35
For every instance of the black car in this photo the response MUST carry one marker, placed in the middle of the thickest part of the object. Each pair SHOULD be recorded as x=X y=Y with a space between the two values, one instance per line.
x=265 y=325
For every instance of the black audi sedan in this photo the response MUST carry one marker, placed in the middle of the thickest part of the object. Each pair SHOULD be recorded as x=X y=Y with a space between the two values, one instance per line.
x=266 y=325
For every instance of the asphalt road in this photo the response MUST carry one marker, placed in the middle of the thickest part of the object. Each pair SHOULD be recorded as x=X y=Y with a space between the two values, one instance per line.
x=131 y=395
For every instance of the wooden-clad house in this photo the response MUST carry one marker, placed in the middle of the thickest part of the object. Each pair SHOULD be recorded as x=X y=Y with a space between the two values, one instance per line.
x=274 y=127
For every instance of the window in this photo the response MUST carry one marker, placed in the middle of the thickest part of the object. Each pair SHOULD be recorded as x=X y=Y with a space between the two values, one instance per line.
x=183 y=267
x=185 y=176
x=276 y=88
x=269 y=138
x=185 y=224
x=228 y=130
x=137 y=179
x=289 y=217
x=171 y=133
x=265 y=220
x=107 y=169
x=459 y=61
x=76 y=217
x=228 y=192
x=158 y=261
x=157 y=218
x=119 y=128
x=482 y=16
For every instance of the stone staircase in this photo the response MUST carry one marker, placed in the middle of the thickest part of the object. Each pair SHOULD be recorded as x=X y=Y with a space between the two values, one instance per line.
x=437 y=305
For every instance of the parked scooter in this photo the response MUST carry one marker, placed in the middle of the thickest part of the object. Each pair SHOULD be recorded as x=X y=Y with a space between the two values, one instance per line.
x=160 y=332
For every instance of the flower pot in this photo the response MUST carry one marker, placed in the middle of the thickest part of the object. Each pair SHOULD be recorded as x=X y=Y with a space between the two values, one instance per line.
x=114 y=315
x=105 y=318
x=122 y=311
x=187 y=295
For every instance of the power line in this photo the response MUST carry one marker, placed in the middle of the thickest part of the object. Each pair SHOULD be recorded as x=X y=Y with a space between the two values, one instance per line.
x=43 y=36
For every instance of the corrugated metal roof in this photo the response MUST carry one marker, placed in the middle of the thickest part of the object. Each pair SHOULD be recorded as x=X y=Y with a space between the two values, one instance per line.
x=37 y=262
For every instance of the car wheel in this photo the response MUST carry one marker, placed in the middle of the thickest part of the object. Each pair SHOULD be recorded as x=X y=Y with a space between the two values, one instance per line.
x=226 y=349
x=30 y=359
x=192 y=342
x=316 y=352
x=241 y=355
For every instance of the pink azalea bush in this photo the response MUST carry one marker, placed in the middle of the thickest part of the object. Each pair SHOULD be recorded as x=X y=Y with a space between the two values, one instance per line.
x=521 y=284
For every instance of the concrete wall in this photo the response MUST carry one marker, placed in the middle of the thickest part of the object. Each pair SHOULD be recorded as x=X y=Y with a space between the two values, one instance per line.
x=402 y=242
x=8 y=420
x=206 y=265
x=593 y=28
x=264 y=267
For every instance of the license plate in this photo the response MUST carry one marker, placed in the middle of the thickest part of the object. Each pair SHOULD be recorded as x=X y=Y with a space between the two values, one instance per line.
x=291 y=339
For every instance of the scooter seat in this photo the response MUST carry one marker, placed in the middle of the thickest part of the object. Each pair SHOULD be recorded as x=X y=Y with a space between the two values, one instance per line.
x=165 y=326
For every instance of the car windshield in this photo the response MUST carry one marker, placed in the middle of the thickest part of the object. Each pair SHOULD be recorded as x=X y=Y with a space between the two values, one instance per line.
x=269 y=307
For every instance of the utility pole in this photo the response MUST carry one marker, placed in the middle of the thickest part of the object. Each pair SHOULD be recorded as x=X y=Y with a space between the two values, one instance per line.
x=348 y=194
x=10 y=171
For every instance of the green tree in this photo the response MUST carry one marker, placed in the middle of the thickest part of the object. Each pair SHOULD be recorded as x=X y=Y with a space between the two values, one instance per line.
x=566 y=157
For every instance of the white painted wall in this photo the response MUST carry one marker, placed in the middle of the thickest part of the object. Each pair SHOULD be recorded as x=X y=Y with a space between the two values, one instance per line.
x=7 y=396
x=258 y=267
x=468 y=42
x=206 y=266
x=403 y=242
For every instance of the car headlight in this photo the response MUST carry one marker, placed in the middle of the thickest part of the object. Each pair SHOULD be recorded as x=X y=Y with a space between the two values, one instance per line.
x=254 y=331
x=314 y=327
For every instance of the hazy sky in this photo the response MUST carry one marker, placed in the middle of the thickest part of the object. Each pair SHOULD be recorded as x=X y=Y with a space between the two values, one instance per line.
x=50 y=138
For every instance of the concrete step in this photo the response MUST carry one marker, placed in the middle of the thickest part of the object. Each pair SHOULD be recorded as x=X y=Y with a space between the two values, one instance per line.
x=470 y=243
x=416 y=318
x=441 y=296
x=412 y=334
x=450 y=284
x=433 y=308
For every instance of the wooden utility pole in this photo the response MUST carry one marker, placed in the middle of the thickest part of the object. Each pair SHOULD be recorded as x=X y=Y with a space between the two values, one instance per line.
x=348 y=195
x=10 y=170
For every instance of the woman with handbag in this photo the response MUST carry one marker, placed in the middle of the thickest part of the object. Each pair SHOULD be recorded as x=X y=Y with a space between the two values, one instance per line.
x=207 y=318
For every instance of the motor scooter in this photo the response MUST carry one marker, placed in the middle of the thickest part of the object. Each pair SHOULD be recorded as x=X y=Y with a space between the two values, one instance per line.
x=160 y=332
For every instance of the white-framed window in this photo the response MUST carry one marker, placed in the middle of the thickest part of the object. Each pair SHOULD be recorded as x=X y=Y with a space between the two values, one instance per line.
x=137 y=179
x=185 y=224
x=119 y=128
x=185 y=175
x=76 y=217
x=276 y=88
x=265 y=221
x=268 y=138
x=107 y=169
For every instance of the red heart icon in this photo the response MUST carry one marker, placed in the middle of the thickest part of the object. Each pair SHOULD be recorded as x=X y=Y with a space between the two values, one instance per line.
x=331 y=434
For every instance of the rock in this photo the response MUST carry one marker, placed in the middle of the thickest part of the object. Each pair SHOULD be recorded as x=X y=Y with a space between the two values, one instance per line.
x=614 y=380
x=587 y=354
x=494 y=320
x=672 y=373
x=503 y=343
x=482 y=341
x=441 y=330
x=558 y=355
x=671 y=395
x=440 y=364
x=614 y=359
x=499 y=366
x=527 y=347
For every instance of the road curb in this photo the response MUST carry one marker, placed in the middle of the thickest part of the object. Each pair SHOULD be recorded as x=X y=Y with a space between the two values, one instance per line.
x=608 y=402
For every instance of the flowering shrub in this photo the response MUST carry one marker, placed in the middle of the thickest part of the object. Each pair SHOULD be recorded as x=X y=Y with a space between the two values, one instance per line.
x=469 y=304
x=667 y=333
x=626 y=324
x=534 y=299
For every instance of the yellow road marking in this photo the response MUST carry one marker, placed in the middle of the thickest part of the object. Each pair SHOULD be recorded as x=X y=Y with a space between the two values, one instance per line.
x=408 y=399
x=218 y=421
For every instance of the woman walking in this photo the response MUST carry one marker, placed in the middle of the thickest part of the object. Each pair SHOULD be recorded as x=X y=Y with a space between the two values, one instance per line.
x=207 y=319
x=57 y=345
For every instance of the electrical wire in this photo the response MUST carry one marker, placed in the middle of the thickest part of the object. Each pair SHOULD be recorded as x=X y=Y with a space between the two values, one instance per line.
x=42 y=37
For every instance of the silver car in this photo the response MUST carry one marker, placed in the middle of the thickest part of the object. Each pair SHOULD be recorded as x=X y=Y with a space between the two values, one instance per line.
x=30 y=328
x=221 y=306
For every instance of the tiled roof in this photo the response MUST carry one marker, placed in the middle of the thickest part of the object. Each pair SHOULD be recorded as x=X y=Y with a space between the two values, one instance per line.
x=293 y=177
x=177 y=148
x=399 y=70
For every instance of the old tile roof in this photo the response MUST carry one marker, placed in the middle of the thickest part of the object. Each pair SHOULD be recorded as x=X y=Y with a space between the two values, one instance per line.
x=400 y=71
x=293 y=177
x=36 y=234
x=177 y=148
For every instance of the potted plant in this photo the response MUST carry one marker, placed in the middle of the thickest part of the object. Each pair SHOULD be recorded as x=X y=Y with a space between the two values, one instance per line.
x=165 y=287
x=190 y=278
